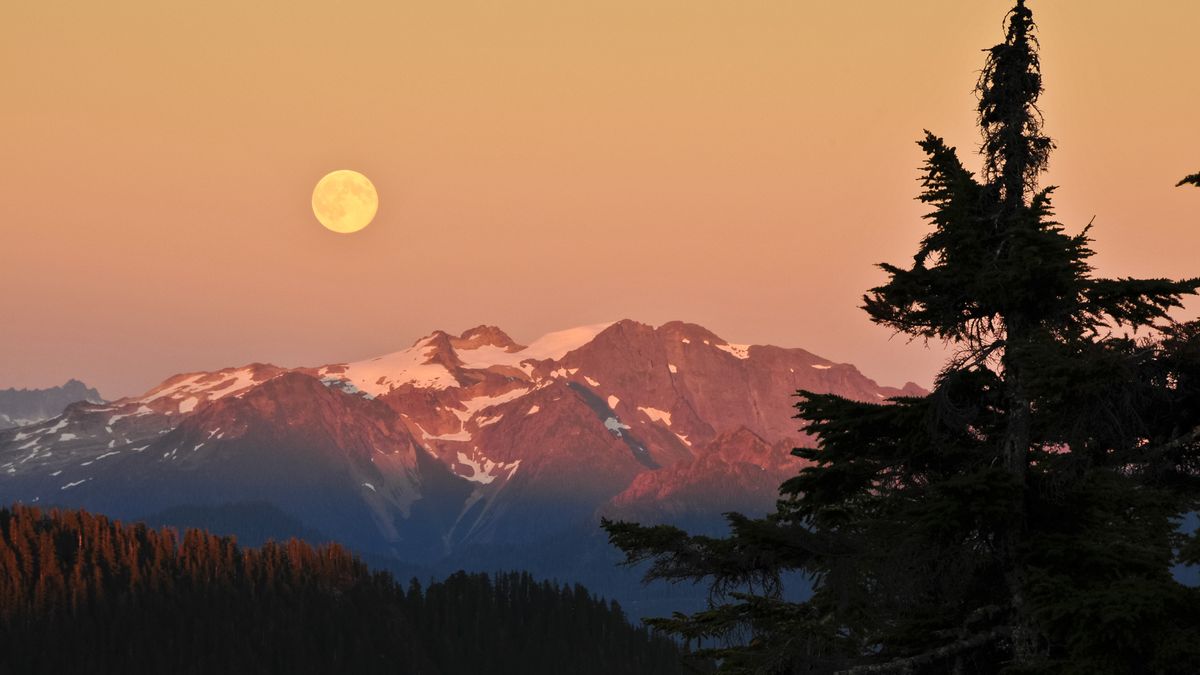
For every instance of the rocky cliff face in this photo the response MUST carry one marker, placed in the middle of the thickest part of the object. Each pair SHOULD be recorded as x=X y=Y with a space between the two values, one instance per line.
x=456 y=442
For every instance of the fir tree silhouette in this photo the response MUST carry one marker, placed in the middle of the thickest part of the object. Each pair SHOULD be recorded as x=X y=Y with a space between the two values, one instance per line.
x=1021 y=518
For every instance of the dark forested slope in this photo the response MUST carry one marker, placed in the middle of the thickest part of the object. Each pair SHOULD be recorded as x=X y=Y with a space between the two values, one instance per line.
x=82 y=593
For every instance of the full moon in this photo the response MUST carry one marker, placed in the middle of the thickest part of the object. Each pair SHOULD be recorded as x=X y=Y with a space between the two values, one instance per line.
x=345 y=201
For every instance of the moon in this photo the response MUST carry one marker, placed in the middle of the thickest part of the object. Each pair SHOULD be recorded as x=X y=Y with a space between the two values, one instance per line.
x=345 y=201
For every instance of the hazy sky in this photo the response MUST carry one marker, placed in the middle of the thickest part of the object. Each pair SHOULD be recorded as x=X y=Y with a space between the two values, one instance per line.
x=540 y=165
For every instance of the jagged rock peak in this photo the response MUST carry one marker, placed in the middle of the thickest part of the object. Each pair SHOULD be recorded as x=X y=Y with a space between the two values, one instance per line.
x=486 y=336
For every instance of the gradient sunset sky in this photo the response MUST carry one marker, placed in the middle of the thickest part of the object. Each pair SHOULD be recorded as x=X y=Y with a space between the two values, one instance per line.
x=540 y=165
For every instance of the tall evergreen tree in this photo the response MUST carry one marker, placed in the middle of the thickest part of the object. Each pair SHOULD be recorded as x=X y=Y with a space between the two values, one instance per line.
x=1024 y=516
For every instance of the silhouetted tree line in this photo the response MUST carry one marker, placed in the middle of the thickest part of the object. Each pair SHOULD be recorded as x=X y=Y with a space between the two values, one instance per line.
x=511 y=623
x=80 y=593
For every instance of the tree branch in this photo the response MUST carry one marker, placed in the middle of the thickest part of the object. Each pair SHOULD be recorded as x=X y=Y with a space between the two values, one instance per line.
x=946 y=651
x=1181 y=440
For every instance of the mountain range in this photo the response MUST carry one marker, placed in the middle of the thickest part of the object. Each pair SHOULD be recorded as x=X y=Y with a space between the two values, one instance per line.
x=467 y=447
x=20 y=407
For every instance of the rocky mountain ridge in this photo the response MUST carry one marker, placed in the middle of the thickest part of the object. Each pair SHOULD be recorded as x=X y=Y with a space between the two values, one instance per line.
x=22 y=407
x=457 y=441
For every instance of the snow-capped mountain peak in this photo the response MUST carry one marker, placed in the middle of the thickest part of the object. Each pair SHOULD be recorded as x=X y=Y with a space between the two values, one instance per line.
x=434 y=362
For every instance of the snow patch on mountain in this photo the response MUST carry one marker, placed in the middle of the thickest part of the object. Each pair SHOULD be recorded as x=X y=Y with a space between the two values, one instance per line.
x=550 y=346
x=484 y=470
x=559 y=343
x=486 y=356
x=195 y=388
x=474 y=405
x=141 y=410
x=416 y=365
x=242 y=378
x=382 y=374
x=740 y=351
x=656 y=414
x=183 y=385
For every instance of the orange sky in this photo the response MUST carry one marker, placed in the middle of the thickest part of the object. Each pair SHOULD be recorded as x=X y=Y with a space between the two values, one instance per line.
x=540 y=164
